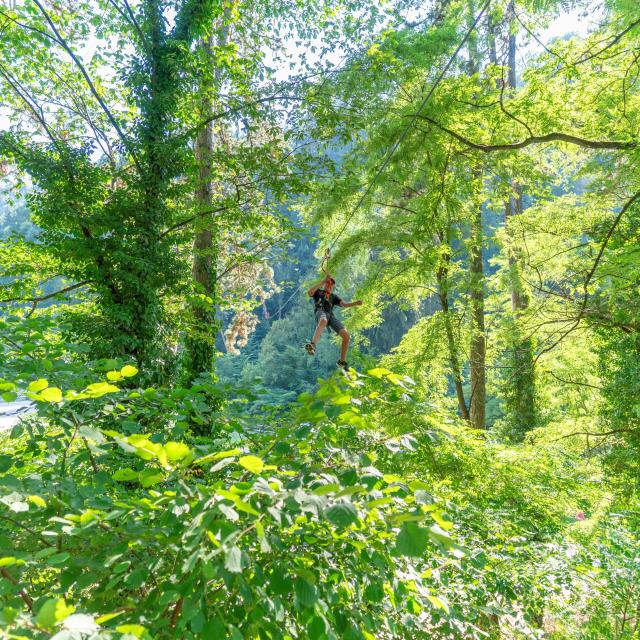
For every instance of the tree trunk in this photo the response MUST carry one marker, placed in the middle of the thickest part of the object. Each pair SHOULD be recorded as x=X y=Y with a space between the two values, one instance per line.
x=142 y=307
x=520 y=388
x=200 y=343
x=477 y=355
x=443 y=294
x=477 y=352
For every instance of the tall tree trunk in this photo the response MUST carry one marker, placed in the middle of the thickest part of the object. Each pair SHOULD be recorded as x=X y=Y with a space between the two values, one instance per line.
x=443 y=294
x=200 y=342
x=143 y=308
x=520 y=388
x=477 y=352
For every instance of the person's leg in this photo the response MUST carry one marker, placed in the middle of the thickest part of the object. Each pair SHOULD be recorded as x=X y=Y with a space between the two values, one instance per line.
x=344 y=334
x=322 y=325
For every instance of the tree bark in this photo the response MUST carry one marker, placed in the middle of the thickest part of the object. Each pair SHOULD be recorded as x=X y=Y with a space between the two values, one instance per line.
x=454 y=360
x=520 y=388
x=200 y=343
x=477 y=352
x=442 y=274
x=477 y=355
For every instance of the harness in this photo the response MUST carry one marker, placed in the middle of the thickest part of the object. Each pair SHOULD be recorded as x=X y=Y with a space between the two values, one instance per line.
x=324 y=301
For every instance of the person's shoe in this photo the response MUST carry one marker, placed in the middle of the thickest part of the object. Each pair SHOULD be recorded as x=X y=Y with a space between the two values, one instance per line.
x=311 y=348
x=343 y=364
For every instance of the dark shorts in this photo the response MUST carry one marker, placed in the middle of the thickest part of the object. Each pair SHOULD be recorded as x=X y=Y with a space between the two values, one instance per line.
x=334 y=323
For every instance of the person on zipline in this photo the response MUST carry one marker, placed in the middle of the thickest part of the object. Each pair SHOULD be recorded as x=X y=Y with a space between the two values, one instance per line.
x=324 y=300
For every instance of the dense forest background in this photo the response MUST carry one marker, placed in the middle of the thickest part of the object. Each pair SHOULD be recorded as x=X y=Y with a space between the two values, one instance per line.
x=175 y=175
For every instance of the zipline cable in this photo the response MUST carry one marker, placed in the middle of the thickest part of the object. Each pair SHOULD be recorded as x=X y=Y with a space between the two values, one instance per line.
x=406 y=130
x=395 y=146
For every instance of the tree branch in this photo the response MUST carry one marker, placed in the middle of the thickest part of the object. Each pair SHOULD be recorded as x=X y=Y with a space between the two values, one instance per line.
x=17 y=523
x=603 y=434
x=201 y=214
x=38 y=299
x=28 y=100
x=579 y=384
x=128 y=17
x=28 y=600
x=585 y=297
x=549 y=137
x=222 y=114
x=614 y=41
x=92 y=88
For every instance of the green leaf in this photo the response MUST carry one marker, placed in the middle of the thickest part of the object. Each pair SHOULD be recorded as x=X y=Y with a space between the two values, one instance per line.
x=306 y=593
x=59 y=558
x=113 y=375
x=98 y=389
x=9 y=561
x=442 y=520
x=324 y=489
x=128 y=371
x=108 y=616
x=125 y=475
x=149 y=477
x=341 y=514
x=225 y=454
x=51 y=394
x=136 y=630
x=233 y=560
x=378 y=372
x=38 y=385
x=8 y=615
x=441 y=537
x=176 y=451
x=251 y=463
x=53 y=611
x=316 y=628
x=9 y=396
x=438 y=603
x=121 y=567
x=6 y=462
x=412 y=540
x=214 y=629
x=37 y=500
x=374 y=592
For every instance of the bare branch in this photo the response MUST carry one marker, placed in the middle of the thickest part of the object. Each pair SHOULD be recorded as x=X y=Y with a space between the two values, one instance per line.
x=575 y=382
x=613 y=42
x=92 y=87
x=128 y=17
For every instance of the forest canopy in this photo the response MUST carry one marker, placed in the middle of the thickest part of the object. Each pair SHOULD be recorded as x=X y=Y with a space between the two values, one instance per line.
x=325 y=316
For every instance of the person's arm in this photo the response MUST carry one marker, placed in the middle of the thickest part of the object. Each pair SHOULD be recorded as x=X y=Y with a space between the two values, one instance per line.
x=355 y=303
x=315 y=287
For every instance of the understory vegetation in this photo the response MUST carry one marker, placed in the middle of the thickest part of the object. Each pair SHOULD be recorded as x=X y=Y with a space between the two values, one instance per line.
x=174 y=177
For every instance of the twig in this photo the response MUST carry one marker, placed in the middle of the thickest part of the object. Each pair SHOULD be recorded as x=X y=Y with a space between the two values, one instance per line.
x=580 y=384
x=28 y=600
x=614 y=41
x=176 y=612
x=92 y=88
x=24 y=527
x=603 y=434
x=38 y=299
